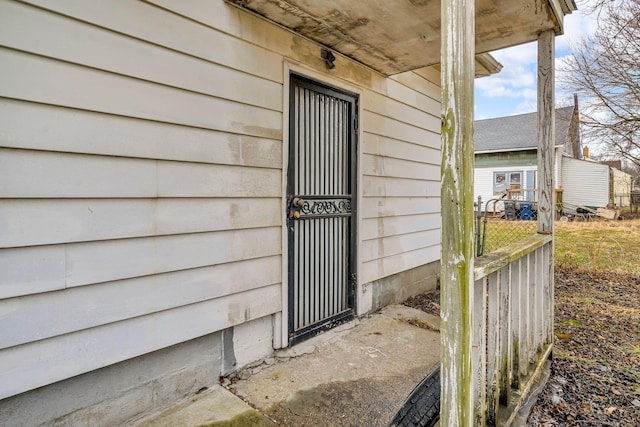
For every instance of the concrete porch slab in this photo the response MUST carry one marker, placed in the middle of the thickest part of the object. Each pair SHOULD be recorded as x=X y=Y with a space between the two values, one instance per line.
x=358 y=374
x=214 y=407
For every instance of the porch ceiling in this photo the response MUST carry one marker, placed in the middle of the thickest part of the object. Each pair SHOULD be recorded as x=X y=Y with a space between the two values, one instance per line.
x=392 y=36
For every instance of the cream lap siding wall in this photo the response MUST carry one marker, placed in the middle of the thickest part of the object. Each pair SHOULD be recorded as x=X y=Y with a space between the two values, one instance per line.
x=141 y=163
x=399 y=146
x=136 y=177
x=401 y=183
x=621 y=187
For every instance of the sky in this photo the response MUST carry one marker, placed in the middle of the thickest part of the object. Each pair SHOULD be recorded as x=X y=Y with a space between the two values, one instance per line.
x=513 y=90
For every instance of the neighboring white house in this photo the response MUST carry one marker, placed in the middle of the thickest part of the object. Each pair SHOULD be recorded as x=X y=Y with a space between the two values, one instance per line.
x=506 y=153
x=506 y=161
x=622 y=184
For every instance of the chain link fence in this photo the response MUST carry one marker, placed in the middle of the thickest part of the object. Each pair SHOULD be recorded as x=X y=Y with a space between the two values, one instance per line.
x=635 y=200
x=500 y=222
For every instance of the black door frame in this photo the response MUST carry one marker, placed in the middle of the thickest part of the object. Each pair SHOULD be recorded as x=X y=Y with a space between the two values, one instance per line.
x=297 y=80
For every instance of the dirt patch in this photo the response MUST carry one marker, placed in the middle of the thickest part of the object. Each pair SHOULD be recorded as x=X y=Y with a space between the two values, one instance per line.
x=428 y=302
x=595 y=373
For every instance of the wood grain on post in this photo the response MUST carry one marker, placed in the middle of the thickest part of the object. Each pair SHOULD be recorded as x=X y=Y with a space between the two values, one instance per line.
x=546 y=157
x=546 y=131
x=458 y=48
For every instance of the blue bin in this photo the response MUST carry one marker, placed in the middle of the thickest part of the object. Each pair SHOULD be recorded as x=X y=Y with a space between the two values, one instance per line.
x=526 y=211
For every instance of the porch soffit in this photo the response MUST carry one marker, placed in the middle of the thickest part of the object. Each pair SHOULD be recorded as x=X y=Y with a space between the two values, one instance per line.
x=393 y=36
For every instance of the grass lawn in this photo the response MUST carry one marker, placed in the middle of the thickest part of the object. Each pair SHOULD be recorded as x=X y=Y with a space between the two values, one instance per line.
x=598 y=245
x=500 y=232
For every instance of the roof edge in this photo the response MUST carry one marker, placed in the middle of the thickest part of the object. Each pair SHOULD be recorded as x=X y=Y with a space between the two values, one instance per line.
x=560 y=9
x=511 y=150
x=489 y=63
x=572 y=107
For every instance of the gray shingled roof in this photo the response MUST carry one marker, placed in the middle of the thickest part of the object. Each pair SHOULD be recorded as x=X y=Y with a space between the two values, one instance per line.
x=517 y=132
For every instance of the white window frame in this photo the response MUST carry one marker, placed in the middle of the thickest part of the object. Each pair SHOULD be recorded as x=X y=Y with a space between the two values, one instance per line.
x=506 y=182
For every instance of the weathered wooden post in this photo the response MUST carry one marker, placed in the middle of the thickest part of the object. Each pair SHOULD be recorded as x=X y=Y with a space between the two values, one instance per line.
x=546 y=131
x=546 y=172
x=458 y=49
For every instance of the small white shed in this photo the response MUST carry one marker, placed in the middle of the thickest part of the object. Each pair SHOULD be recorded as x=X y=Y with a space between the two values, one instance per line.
x=585 y=183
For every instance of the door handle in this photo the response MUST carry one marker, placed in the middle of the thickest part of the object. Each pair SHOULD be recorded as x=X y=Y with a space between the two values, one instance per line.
x=296 y=204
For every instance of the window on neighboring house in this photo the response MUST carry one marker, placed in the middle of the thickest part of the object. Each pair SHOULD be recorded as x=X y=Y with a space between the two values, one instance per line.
x=503 y=181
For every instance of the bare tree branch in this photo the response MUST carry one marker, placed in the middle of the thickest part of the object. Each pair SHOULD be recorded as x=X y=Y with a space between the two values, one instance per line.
x=605 y=71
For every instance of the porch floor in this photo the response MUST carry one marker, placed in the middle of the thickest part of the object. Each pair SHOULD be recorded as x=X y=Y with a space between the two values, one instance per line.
x=358 y=374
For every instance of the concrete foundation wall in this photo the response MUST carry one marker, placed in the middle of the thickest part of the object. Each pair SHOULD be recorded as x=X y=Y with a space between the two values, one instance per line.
x=128 y=390
x=398 y=287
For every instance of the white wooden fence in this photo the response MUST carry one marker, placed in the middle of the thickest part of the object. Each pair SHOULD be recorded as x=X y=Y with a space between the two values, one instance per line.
x=513 y=326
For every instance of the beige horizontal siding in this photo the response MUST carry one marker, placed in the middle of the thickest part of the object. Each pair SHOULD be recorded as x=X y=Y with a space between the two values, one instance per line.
x=63 y=175
x=46 y=127
x=53 y=221
x=374 y=228
x=31 y=270
x=147 y=22
x=390 y=147
x=386 y=186
x=378 y=166
x=398 y=244
x=424 y=80
x=401 y=175
x=415 y=91
x=401 y=195
x=80 y=264
x=31 y=365
x=374 y=207
x=402 y=112
x=401 y=88
x=73 y=311
x=393 y=264
x=39 y=79
x=387 y=127
x=119 y=259
x=33 y=30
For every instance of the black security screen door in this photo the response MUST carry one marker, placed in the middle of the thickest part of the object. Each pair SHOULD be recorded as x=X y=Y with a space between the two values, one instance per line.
x=321 y=207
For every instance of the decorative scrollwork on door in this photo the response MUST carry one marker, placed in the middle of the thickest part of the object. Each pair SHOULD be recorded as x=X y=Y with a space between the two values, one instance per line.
x=319 y=208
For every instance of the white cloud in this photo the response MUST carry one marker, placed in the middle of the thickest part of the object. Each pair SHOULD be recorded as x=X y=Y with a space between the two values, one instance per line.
x=521 y=54
x=562 y=96
x=495 y=88
x=524 y=78
x=530 y=93
x=577 y=25
x=517 y=78
x=525 y=106
x=515 y=85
